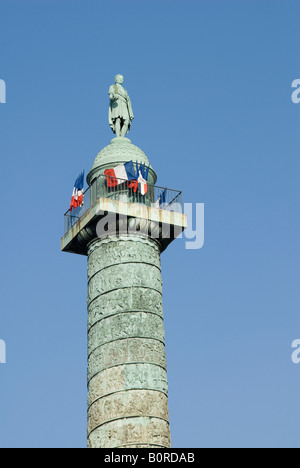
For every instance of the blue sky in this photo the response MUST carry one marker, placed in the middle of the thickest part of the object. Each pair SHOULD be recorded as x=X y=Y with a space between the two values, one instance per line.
x=210 y=83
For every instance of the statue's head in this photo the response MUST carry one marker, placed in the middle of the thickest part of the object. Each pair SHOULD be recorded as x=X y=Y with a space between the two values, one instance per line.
x=119 y=79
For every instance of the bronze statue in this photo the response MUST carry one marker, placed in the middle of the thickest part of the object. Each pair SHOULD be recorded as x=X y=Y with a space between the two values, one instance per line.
x=120 y=113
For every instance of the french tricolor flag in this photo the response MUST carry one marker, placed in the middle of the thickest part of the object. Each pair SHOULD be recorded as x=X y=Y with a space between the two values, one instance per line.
x=162 y=199
x=120 y=174
x=126 y=172
x=143 y=186
x=77 y=196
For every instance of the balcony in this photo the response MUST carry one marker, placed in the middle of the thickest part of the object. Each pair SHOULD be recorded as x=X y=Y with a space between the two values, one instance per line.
x=161 y=206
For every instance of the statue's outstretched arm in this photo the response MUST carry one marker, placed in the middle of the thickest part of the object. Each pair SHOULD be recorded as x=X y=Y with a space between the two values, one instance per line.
x=112 y=95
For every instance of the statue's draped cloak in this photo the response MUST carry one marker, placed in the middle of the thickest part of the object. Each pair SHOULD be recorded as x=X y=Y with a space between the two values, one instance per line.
x=120 y=107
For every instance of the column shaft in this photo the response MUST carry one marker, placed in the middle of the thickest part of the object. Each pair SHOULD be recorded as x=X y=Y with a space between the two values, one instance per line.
x=127 y=378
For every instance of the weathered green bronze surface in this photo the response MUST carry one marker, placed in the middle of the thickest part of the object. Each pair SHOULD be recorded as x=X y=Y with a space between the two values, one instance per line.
x=127 y=376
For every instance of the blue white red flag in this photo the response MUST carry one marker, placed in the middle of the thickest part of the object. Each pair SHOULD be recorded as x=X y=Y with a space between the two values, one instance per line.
x=126 y=172
x=77 y=195
x=120 y=174
x=162 y=199
x=142 y=172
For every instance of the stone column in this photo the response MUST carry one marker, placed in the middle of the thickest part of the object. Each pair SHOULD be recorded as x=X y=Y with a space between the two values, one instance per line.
x=127 y=378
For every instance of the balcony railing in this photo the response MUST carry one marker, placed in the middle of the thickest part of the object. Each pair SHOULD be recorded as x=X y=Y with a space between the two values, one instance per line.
x=125 y=191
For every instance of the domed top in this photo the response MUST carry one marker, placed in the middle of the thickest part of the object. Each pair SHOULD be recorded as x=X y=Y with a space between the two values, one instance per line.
x=119 y=151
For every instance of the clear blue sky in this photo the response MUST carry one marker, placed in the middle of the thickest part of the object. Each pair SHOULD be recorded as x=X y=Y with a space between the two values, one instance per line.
x=210 y=82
